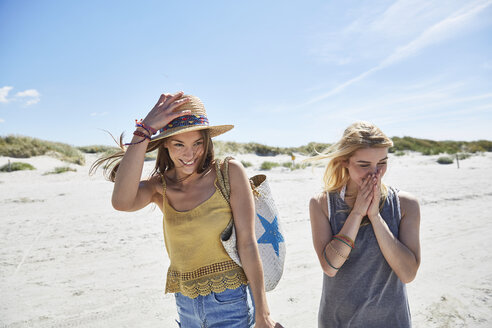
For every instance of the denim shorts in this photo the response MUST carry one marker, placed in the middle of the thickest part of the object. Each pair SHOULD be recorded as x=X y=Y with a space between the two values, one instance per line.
x=233 y=308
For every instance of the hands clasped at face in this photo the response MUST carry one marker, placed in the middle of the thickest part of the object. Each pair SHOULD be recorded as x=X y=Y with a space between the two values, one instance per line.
x=368 y=196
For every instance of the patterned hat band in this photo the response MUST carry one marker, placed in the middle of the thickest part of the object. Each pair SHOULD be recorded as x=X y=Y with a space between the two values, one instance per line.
x=186 y=120
x=196 y=120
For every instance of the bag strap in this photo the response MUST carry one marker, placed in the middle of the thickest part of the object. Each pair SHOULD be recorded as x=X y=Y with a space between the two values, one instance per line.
x=222 y=168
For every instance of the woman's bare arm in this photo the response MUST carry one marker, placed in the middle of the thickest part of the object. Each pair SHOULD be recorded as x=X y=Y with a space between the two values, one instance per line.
x=402 y=253
x=129 y=193
x=333 y=253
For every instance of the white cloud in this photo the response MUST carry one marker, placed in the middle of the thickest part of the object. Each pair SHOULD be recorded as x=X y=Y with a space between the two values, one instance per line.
x=438 y=32
x=374 y=29
x=4 y=92
x=426 y=100
x=406 y=18
x=28 y=93
x=2 y=120
x=31 y=96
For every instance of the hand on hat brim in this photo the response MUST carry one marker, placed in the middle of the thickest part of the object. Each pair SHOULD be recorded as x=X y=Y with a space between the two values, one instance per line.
x=166 y=109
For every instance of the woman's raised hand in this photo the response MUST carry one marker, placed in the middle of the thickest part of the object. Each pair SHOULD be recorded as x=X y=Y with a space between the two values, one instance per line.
x=364 y=197
x=166 y=110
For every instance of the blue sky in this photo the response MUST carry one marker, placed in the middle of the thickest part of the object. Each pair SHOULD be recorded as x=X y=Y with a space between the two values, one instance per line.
x=283 y=72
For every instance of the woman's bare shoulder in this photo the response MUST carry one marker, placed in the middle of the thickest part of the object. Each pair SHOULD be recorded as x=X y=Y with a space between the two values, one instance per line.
x=408 y=203
x=319 y=198
x=318 y=203
x=235 y=166
x=155 y=182
x=237 y=172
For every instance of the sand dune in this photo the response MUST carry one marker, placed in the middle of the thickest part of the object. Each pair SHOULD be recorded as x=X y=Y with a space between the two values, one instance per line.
x=67 y=259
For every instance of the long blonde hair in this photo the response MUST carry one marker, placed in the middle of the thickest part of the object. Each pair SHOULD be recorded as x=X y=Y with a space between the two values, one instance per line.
x=357 y=136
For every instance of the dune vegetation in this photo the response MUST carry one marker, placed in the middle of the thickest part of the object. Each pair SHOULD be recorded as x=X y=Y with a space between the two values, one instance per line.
x=231 y=147
x=61 y=169
x=95 y=149
x=267 y=165
x=25 y=147
x=424 y=146
x=16 y=166
x=431 y=147
x=445 y=160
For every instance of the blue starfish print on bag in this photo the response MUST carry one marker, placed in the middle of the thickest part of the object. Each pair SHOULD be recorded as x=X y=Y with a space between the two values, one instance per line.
x=272 y=235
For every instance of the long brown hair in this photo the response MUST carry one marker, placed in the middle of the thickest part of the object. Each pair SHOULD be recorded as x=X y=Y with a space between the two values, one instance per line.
x=163 y=161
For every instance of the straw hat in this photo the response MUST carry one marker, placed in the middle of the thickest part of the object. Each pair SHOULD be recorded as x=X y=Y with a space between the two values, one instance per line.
x=197 y=120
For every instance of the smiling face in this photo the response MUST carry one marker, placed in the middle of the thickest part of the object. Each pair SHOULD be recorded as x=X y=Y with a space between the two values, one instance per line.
x=186 y=151
x=366 y=161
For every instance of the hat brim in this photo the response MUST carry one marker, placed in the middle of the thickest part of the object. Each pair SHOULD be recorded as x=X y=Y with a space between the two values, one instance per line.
x=214 y=131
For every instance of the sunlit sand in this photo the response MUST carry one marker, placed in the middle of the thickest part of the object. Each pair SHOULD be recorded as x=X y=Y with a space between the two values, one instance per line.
x=68 y=259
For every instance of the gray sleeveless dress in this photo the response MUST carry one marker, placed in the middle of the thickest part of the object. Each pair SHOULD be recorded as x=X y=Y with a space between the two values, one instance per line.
x=365 y=292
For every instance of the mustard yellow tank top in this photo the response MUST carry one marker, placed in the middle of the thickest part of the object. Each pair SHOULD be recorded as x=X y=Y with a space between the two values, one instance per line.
x=199 y=263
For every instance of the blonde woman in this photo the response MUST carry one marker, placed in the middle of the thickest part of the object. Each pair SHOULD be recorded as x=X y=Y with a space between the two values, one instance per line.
x=211 y=290
x=366 y=235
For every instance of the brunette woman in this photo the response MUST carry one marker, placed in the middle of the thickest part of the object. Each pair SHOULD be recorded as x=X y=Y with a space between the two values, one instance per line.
x=211 y=290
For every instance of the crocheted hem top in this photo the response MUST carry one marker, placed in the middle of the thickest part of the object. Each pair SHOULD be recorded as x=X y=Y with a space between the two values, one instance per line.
x=199 y=263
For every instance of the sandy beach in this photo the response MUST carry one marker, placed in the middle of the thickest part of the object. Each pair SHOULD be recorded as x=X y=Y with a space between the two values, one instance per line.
x=68 y=259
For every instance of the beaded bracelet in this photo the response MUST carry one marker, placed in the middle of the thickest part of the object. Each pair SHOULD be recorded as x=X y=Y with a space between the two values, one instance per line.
x=336 y=251
x=141 y=134
x=347 y=239
x=343 y=241
x=138 y=134
x=140 y=125
x=147 y=128
x=134 y=143
x=327 y=261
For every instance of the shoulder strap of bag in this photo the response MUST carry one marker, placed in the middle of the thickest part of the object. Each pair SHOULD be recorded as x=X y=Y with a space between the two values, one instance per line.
x=222 y=168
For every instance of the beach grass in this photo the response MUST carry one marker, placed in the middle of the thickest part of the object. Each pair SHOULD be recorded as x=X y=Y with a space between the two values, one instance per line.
x=16 y=166
x=295 y=166
x=95 y=149
x=401 y=146
x=25 y=147
x=445 y=160
x=230 y=147
x=246 y=163
x=431 y=147
x=61 y=169
x=463 y=156
x=267 y=165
